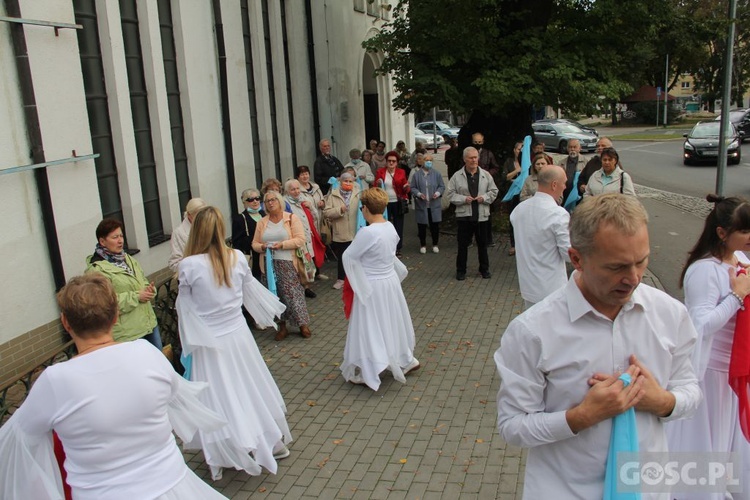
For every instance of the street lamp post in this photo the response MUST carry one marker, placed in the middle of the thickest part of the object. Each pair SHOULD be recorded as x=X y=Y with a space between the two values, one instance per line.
x=725 y=98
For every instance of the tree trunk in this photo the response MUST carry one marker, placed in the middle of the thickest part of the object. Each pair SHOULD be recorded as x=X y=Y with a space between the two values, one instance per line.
x=613 y=106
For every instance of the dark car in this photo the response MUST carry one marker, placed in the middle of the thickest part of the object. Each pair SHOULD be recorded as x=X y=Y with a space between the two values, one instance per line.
x=702 y=144
x=556 y=134
x=740 y=118
x=583 y=127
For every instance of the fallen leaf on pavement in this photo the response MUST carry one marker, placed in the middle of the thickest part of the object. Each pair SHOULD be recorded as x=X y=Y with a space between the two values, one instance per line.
x=311 y=403
x=338 y=441
x=403 y=461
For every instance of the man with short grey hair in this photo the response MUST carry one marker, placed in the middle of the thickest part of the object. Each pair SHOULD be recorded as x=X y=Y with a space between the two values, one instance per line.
x=326 y=166
x=472 y=190
x=540 y=226
x=560 y=362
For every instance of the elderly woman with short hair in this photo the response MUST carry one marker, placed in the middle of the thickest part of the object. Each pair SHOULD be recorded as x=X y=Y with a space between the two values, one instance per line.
x=427 y=186
x=181 y=233
x=283 y=233
x=301 y=208
x=243 y=227
x=342 y=204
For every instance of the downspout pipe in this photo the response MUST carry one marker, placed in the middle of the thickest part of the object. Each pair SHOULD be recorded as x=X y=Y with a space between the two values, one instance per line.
x=313 y=73
x=34 y=131
x=226 y=123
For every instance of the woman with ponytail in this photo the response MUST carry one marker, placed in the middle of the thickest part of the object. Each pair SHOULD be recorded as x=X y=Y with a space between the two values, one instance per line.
x=715 y=286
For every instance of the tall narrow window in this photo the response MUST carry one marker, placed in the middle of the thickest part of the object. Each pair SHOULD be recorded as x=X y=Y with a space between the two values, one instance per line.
x=250 y=72
x=177 y=128
x=141 y=121
x=271 y=87
x=98 y=110
x=290 y=105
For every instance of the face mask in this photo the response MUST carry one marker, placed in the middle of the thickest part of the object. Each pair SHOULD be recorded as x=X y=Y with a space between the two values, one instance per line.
x=356 y=162
x=346 y=187
x=428 y=164
x=253 y=210
x=478 y=146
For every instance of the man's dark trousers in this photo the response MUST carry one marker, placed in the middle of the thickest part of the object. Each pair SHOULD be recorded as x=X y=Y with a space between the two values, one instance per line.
x=466 y=231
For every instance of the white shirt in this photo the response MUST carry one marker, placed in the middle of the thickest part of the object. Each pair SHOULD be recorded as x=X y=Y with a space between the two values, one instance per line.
x=540 y=226
x=547 y=355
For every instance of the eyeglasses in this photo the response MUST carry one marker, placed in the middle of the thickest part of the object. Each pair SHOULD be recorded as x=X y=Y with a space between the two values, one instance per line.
x=254 y=198
x=392 y=161
x=269 y=200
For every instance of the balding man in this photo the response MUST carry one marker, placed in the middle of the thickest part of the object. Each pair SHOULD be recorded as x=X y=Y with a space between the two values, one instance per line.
x=574 y=162
x=326 y=166
x=593 y=165
x=540 y=226
x=472 y=191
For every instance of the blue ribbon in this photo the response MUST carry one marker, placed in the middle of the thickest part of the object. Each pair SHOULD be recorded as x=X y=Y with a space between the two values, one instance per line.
x=270 y=274
x=333 y=182
x=515 y=187
x=361 y=222
x=187 y=363
x=623 y=438
x=574 y=195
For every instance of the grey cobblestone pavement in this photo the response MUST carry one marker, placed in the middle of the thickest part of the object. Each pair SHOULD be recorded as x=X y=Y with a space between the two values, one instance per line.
x=433 y=437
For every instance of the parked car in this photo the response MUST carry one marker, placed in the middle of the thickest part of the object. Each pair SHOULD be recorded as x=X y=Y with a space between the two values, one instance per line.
x=427 y=139
x=445 y=130
x=556 y=134
x=740 y=118
x=583 y=127
x=702 y=144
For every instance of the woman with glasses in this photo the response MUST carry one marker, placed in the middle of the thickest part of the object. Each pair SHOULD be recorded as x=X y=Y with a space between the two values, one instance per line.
x=283 y=233
x=380 y=334
x=396 y=185
x=341 y=208
x=243 y=228
x=610 y=178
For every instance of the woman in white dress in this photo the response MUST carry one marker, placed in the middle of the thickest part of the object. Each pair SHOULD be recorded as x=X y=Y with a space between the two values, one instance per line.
x=113 y=406
x=214 y=282
x=380 y=334
x=713 y=295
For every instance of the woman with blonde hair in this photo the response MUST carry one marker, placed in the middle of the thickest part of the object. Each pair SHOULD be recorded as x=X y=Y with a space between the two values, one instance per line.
x=283 y=234
x=380 y=334
x=215 y=281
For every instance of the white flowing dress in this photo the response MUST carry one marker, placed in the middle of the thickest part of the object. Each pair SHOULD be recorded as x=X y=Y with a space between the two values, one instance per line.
x=715 y=427
x=242 y=389
x=114 y=410
x=380 y=334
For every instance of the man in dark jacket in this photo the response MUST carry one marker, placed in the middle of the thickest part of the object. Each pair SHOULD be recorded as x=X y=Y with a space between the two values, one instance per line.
x=326 y=166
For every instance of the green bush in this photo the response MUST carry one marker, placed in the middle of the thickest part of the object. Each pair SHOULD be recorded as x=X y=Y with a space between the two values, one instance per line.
x=645 y=112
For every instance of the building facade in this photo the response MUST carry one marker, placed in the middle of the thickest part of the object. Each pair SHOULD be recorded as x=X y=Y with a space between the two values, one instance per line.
x=129 y=108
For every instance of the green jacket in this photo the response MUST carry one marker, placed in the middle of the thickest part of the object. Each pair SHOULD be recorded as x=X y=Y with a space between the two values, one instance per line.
x=137 y=319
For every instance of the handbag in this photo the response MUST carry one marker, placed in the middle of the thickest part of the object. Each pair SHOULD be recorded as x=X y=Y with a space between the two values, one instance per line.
x=403 y=206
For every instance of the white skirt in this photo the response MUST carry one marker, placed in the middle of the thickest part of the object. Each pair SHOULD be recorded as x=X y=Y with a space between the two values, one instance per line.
x=243 y=391
x=714 y=427
x=380 y=334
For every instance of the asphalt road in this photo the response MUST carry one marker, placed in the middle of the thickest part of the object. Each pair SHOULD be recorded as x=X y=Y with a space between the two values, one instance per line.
x=659 y=165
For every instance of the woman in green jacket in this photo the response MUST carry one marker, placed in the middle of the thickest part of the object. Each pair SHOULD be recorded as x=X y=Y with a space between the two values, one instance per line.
x=134 y=292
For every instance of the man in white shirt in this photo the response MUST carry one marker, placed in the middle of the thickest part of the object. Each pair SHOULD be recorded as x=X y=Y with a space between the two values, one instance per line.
x=559 y=362
x=540 y=226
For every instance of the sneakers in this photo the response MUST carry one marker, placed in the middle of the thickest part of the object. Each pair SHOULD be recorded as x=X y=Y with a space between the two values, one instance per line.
x=281 y=453
x=412 y=366
x=216 y=473
x=422 y=249
x=338 y=285
x=435 y=249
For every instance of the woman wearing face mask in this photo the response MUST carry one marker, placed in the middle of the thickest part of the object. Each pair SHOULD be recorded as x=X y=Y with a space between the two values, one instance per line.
x=341 y=208
x=610 y=178
x=362 y=169
x=243 y=228
x=427 y=187
x=530 y=184
x=394 y=181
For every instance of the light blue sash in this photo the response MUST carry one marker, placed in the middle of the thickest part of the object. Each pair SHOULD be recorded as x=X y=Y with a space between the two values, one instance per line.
x=624 y=438
x=574 y=195
x=270 y=274
x=515 y=187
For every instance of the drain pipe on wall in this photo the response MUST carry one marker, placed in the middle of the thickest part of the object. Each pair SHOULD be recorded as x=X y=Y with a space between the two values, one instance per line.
x=226 y=124
x=313 y=73
x=34 y=132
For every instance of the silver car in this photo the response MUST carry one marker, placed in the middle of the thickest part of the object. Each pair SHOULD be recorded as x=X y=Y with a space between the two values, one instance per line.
x=555 y=136
x=427 y=139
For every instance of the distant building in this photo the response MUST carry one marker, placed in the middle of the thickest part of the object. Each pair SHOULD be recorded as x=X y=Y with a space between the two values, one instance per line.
x=179 y=99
